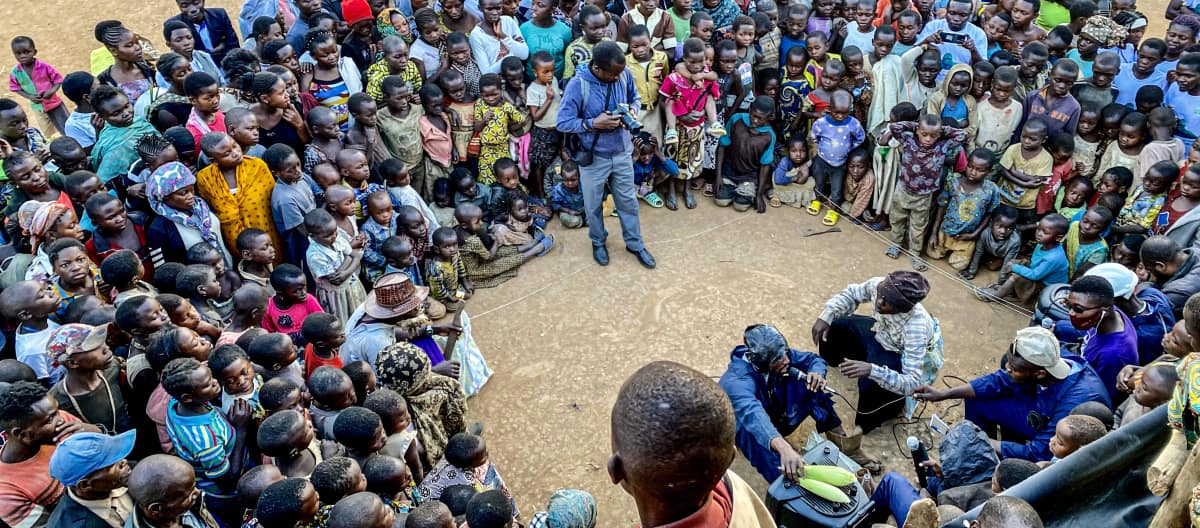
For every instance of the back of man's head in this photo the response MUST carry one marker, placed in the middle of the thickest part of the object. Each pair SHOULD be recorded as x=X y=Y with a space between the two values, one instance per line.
x=1003 y=511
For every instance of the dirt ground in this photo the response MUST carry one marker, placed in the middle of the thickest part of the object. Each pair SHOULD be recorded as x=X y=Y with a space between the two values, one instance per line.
x=566 y=333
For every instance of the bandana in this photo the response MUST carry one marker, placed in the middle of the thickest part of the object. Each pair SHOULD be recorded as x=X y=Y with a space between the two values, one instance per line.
x=38 y=218
x=903 y=289
x=170 y=178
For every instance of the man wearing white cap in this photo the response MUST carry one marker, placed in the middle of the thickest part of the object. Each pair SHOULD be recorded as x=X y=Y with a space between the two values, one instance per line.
x=1148 y=309
x=1002 y=400
x=92 y=466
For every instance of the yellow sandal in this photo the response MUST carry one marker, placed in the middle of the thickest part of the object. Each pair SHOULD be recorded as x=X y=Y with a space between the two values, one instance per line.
x=831 y=218
x=814 y=207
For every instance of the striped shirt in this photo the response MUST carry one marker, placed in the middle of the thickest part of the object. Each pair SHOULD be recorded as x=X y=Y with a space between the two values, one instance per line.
x=27 y=491
x=206 y=442
x=912 y=334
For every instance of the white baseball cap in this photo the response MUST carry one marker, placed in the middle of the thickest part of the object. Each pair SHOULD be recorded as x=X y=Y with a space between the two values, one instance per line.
x=1038 y=346
x=1122 y=279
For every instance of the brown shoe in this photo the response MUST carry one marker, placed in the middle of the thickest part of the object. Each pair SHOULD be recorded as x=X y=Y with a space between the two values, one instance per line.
x=923 y=514
x=851 y=446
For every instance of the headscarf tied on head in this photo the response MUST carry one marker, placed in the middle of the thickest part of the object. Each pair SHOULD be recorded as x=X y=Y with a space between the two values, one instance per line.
x=903 y=289
x=37 y=219
x=383 y=24
x=172 y=177
x=1105 y=31
x=764 y=346
x=437 y=403
x=568 y=508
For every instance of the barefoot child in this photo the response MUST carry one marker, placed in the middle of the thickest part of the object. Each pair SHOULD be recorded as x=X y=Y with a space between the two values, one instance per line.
x=566 y=200
x=964 y=208
x=860 y=185
x=436 y=134
x=495 y=119
x=1048 y=266
x=333 y=259
x=997 y=247
x=291 y=305
x=542 y=99
x=291 y=198
x=445 y=271
x=38 y=82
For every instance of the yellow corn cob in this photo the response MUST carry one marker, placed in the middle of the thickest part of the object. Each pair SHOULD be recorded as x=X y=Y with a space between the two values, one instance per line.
x=823 y=490
x=831 y=475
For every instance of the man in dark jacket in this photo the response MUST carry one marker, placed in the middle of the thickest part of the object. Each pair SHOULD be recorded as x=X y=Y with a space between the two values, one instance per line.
x=774 y=388
x=92 y=466
x=1176 y=271
x=211 y=27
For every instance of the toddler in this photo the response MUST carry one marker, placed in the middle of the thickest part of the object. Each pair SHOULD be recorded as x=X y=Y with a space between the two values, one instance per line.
x=1084 y=244
x=997 y=247
x=445 y=271
x=38 y=82
x=291 y=198
x=333 y=258
x=257 y=258
x=180 y=312
x=291 y=304
x=792 y=169
x=1073 y=197
x=1152 y=387
x=1061 y=147
x=1145 y=202
x=835 y=134
x=465 y=462
x=206 y=254
x=1048 y=266
x=324 y=335
x=566 y=200
x=380 y=225
x=542 y=100
x=398 y=251
x=1072 y=433
x=964 y=207
x=650 y=168
x=860 y=185
x=231 y=366
x=1124 y=152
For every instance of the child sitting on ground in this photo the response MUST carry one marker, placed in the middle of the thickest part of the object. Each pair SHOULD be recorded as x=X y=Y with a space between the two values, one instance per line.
x=1146 y=201
x=249 y=305
x=257 y=258
x=516 y=227
x=445 y=271
x=744 y=172
x=465 y=462
x=860 y=185
x=1048 y=266
x=333 y=259
x=291 y=305
x=380 y=225
x=1024 y=168
x=489 y=263
x=324 y=335
x=793 y=169
x=566 y=200
x=231 y=366
x=964 y=207
x=650 y=168
x=332 y=392
x=1072 y=433
x=402 y=442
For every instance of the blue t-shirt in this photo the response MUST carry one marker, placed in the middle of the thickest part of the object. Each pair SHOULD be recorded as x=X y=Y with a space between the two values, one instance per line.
x=1127 y=85
x=1187 y=110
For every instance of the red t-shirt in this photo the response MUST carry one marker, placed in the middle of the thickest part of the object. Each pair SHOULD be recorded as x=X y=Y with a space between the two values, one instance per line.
x=312 y=361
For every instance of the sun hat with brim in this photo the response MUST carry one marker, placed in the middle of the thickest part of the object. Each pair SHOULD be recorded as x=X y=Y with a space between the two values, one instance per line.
x=1039 y=347
x=70 y=339
x=82 y=454
x=394 y=295
x=1122 y=279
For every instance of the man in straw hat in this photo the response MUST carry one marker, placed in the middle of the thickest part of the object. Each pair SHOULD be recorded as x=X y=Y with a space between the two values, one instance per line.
x=891 y=353
x=1001 y=399
x=394 y=311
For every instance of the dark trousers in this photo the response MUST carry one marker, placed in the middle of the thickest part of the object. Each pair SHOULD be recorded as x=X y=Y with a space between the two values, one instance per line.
x=852 y=338
x=823 y=174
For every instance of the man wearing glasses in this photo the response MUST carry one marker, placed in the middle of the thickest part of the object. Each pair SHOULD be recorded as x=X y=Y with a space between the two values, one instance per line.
x=1003 y=399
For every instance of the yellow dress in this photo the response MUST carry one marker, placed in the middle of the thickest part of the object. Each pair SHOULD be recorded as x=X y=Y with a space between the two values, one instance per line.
x=249 y=205
x=494 y=137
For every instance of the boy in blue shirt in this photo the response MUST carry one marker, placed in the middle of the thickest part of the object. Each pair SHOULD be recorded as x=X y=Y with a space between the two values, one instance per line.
x=1048 y=266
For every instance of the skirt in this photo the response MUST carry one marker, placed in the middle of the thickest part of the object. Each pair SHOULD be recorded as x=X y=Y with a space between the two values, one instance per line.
x=473 y=370
x=544 y=146
x=340 y=300
x=689 y=154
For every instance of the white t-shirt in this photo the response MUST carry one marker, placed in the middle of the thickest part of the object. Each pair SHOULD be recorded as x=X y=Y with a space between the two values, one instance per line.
x=535 y=95
x=860 y=40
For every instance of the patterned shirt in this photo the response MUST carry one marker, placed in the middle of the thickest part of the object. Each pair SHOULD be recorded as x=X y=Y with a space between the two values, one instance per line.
x=913 y=334
x=920 y=167
x=965 y=210
x=373 y=259
x=445 y=278
x=379 y=70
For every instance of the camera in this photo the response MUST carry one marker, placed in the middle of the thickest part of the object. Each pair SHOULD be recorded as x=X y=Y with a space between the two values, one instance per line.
x=627 y=118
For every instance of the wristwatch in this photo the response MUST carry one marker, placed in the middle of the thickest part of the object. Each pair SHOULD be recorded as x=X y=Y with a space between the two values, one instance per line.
x=429 y=330
x=587 y=125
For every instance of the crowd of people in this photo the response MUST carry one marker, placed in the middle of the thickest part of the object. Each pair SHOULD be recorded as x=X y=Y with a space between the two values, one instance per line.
x=291 y=205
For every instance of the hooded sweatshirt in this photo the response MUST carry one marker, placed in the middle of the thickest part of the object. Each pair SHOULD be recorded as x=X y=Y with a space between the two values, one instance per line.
x=937 y=100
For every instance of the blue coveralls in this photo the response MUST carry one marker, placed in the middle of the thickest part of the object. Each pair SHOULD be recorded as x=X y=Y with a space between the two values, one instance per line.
x=999 y=401
x=1151 y=324
x=770 y=406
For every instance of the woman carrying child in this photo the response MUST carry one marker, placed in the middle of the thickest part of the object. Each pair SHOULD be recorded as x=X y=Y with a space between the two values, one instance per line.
x=437 y=402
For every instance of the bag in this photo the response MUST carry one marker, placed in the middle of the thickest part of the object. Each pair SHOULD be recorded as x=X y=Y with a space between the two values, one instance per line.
x=573 y=144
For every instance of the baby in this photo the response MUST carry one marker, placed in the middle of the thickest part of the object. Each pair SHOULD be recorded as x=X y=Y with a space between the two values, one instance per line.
x=1072 y=433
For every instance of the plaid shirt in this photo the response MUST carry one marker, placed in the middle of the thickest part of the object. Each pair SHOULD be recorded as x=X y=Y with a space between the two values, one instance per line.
x=373 y=252
x=914 y=335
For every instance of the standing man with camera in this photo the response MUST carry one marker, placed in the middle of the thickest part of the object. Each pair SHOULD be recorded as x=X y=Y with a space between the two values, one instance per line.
x=596 y=109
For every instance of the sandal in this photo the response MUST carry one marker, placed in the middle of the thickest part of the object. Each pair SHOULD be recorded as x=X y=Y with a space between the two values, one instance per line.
x=775 y=202
x=876 y=226
x=671 y=203
x=716 y=130
x=671 y=137
x=708 y=190
x=892 y=252
x=814 y=208
x=547 y=245
x=696 y=184
x=918 y=264
x=831 y=218
x=652 y=199
x=689 y=200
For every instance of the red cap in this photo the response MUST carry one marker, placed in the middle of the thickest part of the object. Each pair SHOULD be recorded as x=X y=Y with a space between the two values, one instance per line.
x=355 y=11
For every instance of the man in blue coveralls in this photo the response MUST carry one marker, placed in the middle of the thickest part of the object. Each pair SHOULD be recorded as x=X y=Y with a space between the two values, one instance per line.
x=1026 y=398
x=774 y=388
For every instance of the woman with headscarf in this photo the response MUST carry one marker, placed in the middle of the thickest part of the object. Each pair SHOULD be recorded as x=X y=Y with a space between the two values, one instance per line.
x=1099 y=32
x=722 y=11
x=568 y=508
x=43 y=223
x=891 y=353
x=182 y=219
x=436 y=402
x=1135 y=28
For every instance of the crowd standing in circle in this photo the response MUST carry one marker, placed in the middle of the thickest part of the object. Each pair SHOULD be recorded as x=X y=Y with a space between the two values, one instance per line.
x=240 y=255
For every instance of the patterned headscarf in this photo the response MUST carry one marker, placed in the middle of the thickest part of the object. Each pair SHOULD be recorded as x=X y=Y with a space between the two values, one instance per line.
x=170 y=178
x=1104 y=30
x=568 y=508
x=403 y=367
x=37 y=219
x=383 y=23
x=437 y=402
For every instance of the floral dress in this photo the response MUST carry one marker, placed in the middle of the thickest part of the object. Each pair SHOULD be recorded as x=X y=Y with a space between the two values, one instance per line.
x=494 y=138
x=792 y=93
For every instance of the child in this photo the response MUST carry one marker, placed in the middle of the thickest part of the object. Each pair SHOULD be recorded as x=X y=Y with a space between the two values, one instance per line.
x=209 y=255
x=857 y=81
x=394 y=63
x=38 y=82
x=1072 y=433
x=380 y=225
x=953 y=100
x=326 y=139
x=1073 y=197
x=332 y=392
x=140 y=317
x=74 y=274
x=460 y=60
x=1140 y=214
x=273 y=355
x=819 y=57
x=355 y=170
x=77 y=87
x=1117 y=180
x=363 y=134
x=1048 y=266
x=566 y=200
x=1163 y=145
x=1141 y=72
x=1060 y=146
x=1097 y=89
x=214 y=444
x=465 y=462
x=242 y=126
x=333 y=258
x=494 y=119
x=181 y=313
x=324 y=334
x=860 y=185
x=650 y=168
x=543 y=101
x=30 y=304
x=115 y=231
x=123 y=271
x=743 y=31
x=291 y=198
x=793 y=92
x=996 y=247
x=1183 y=199
x=389 y=478
x=1087 y=141
x=362 y=375
x=1054 y=103
x=249 y=305
x=687 y=98
x=1151 y=388
x=291 y=304
x=648 y=65
x=1084 y=244
x=203 y=91
x=795 y=25
x=361 y=431
x=964 y=208
x=593 y=24
x=924 y=145
x=1025 y=167
x=400 y=128
x=793 y=169
x=835 y=135
x=198 y=284
x=290 y=441
x=862 y=32
x=257 y=257
x=232 y=369
x=445 y=272
x=437 y=138
x=660 y=27
x=767 y=36
x=396 y=176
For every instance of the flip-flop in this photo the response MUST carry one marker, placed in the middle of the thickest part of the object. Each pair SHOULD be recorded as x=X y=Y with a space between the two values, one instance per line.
x=689 y=201
x=876 y=226
x=671 y=203
x=892 y=252
x=716 y=130
x=831 y=218
x=814 y=207
x=671 y=137
x=918 y=264
x=547 y=245
x=708 y=190
x=775 y=202
x=652 y=199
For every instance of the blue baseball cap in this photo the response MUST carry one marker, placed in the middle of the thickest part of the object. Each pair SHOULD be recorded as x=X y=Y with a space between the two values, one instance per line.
x=82 y=454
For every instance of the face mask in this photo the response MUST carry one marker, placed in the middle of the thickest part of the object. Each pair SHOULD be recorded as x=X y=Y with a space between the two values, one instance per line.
x=1086 y=323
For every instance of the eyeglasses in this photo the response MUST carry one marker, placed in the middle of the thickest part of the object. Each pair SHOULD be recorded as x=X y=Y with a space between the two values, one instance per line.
x=1077 y=309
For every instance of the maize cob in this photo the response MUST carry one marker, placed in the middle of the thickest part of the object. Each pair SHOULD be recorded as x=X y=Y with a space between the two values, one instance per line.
x=823 y=490
x=832 y=475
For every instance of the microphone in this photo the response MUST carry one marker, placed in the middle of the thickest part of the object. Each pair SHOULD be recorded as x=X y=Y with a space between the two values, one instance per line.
x=796 y=373
x=919 y=455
